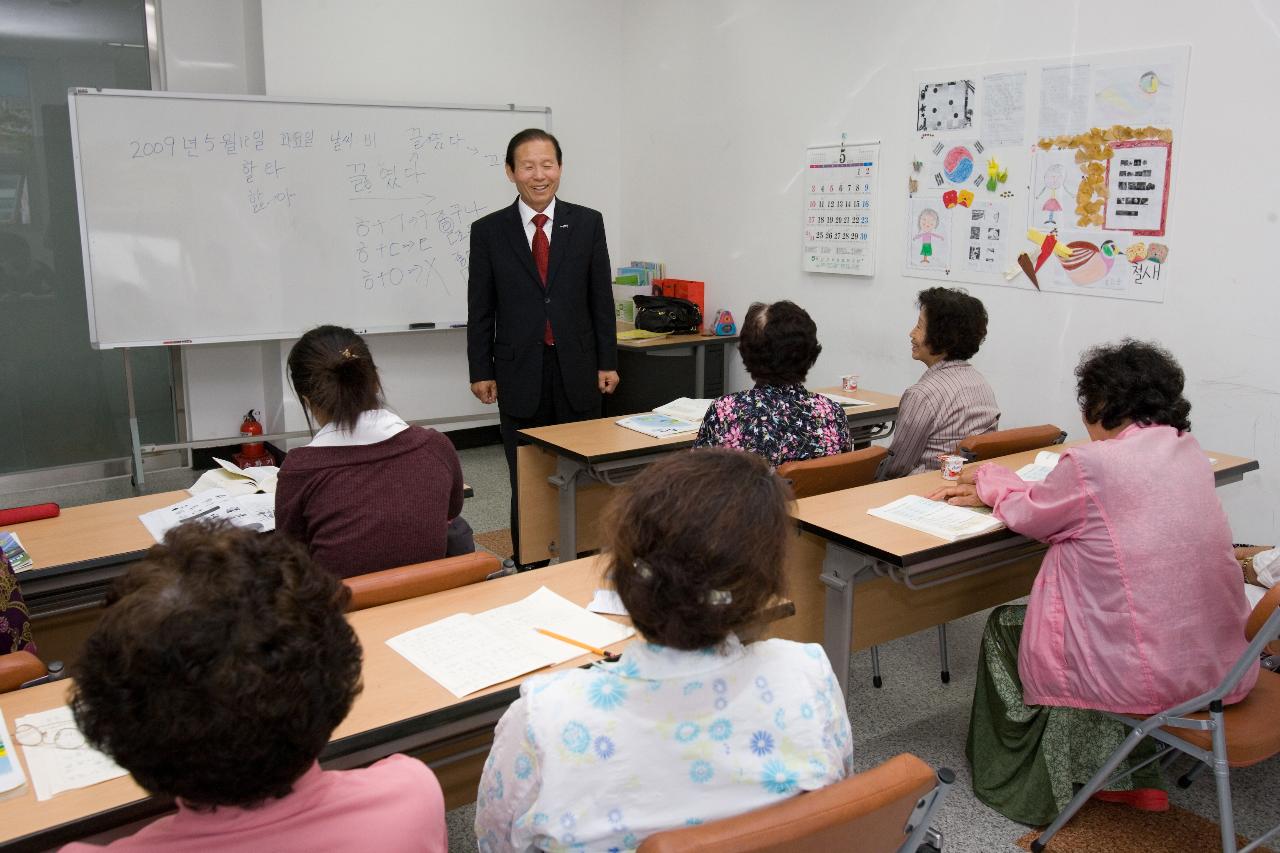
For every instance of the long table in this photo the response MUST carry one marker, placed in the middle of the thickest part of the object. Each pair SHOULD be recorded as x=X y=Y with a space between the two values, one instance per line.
x=400 y=709
x=563 y=475
x=906 y=581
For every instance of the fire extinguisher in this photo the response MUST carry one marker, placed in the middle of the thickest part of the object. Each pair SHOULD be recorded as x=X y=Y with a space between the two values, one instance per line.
x=252 y=454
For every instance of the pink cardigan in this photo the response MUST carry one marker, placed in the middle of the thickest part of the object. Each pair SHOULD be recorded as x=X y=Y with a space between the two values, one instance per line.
x=1139 y=603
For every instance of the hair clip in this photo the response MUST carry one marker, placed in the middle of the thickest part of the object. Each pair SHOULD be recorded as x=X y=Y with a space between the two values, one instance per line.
x=347 y=353
x=719 y=597
x=642 y=570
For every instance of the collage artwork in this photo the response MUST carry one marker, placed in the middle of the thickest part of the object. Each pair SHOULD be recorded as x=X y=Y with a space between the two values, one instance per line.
x=1049 y=176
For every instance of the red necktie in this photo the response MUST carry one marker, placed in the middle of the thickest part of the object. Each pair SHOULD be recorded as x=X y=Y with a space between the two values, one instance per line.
x=541 y=255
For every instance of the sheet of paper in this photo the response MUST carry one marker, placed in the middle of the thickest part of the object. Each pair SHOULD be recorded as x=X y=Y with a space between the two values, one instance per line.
x=546 y=609
x=1138 y=186
x=936 y=517
x=844 y=401
x=945 y=106
x=607 y=601
x=11 y=775
x=658 y=426
x=987 y=236
x=245 y=511
x=1004 y=108
x=1064 y=100
x=1037 y=470
x=685 y=409
x=55 y=770
x=1135 y=95
x=464 y=654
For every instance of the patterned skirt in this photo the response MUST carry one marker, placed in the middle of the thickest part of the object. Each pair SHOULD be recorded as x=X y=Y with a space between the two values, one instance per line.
x=1028 y=760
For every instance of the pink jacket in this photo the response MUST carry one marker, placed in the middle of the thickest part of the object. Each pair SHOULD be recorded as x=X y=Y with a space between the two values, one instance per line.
x=1139 y=604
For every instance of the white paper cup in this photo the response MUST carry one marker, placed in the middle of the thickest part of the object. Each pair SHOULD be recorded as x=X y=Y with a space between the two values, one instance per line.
x=951 y=466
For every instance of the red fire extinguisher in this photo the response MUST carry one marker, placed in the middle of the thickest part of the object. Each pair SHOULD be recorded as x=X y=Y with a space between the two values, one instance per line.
x=252 y=454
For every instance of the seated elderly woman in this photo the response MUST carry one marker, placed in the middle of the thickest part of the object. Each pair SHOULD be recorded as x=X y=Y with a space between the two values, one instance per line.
x=777 y=419
x=952 y=400
x=1138 y=604
x=216 y=676
x=696 y=722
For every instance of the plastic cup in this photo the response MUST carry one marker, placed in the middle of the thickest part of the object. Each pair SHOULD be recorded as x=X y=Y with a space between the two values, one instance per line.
x=850 y=382
x=951 y=466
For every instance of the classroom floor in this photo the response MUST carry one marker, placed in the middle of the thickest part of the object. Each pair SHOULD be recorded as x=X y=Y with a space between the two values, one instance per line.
x=913 y=712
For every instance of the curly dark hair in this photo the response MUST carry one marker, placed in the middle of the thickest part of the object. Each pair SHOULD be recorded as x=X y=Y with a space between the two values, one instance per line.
x=332 y=369
x=1132 y=380
x=220 y=667
x=697 y=546
x=779 y=343
x=955 y=323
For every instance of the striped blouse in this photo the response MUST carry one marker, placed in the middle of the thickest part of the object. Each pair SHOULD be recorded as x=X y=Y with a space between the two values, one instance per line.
x=950 y=402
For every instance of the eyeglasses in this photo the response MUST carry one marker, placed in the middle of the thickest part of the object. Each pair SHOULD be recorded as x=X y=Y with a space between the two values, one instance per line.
x=65 y=736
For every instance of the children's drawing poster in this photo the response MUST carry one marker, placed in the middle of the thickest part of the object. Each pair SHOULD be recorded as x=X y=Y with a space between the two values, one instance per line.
x=1074 y=156
x=840 y=208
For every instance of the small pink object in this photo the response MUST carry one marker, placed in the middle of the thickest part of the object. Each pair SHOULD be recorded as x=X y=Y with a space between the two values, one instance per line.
x=850 y=382
x=951 y=466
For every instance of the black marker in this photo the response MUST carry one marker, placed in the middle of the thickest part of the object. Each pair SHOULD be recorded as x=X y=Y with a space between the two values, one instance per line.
x=422 y=325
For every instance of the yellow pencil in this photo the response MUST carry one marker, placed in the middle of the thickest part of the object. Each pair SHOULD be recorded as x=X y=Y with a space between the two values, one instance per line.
x=553 y=635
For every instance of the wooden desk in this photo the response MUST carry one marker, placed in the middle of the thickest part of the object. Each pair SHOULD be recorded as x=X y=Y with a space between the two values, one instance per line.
x=906 y=580
x=564 y=473
x=400 y=709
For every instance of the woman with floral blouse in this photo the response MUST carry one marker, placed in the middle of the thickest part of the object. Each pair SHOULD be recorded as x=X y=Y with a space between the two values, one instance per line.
x=695 y=722
x=777 y=419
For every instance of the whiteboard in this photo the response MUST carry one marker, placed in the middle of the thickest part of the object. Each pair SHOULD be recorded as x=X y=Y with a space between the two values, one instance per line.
x=212 y=218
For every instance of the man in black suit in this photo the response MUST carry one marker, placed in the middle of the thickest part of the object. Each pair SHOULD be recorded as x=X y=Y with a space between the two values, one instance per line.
x=541 y=339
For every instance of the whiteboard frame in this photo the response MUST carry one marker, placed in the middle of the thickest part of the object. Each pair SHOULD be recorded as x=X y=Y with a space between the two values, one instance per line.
x=75 y=92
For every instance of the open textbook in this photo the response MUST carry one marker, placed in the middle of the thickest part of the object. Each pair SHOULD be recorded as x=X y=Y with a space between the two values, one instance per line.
x=658 y=426
x=236 y=480
x=469 y=652
x=842 y=400
x=937 y=518
x=256 y=512
x=685 y=409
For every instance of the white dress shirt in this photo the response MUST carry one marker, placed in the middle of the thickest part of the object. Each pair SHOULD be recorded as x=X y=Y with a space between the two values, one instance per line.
x=526 y=216
x=601 y=758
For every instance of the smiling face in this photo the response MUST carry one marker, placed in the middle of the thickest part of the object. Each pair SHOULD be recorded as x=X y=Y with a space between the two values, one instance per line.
x=920 y=351
x=928 y=220
x=536 y=173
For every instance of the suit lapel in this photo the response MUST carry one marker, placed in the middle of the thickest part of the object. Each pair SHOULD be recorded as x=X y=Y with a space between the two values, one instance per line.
x=520 y=243
x=564 y=228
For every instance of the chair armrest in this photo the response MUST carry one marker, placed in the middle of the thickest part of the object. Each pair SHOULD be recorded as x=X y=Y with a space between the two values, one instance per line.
x=384 y=587
x=17 y=668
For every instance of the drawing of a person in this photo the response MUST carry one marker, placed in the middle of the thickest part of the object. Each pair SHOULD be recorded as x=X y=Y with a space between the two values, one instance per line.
x=1050 y=183
x=926 y=234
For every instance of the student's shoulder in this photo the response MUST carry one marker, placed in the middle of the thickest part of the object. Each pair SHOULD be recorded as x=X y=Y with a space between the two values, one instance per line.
x=399 y=775
x=790 y=656
x=492 y=220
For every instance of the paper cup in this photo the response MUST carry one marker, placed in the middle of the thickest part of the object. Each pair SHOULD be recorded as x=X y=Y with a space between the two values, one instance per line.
x=951 y=466
x=850 y=382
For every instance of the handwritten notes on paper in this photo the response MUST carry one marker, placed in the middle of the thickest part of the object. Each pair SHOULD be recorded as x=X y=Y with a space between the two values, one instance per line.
x=937 y=518
x=1064 y=100
x=465 y=652
x=54 y=769
x=1004 y=108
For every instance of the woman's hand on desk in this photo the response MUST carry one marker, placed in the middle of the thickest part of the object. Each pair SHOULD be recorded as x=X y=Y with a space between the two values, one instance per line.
x=961 y=494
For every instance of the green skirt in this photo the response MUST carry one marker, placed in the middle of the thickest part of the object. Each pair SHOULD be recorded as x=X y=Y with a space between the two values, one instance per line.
x=1028 y=760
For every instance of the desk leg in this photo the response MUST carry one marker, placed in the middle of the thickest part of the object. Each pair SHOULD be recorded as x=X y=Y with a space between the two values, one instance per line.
x=700 y=371
x=841 y=571
x=566 y=482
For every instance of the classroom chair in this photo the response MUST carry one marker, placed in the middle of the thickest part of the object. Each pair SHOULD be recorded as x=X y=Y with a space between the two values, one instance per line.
x=1002 y=442
x=887 y=809
x=832 y=473
x=388 y=585
x=1220 y=737
x=18 y=669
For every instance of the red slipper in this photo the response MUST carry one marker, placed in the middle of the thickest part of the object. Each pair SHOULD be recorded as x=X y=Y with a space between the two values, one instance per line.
x=1144 y=799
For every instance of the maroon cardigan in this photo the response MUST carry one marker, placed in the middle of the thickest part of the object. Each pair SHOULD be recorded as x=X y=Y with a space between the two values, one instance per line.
x=362 y=508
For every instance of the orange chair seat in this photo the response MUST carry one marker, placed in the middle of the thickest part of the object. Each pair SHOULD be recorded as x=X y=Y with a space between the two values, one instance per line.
x=1253 y=731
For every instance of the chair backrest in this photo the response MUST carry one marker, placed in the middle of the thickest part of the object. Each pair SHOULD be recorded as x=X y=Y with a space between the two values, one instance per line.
x=388 y=585
x=869 y=812
x=833 y=473
x=1002 y=442
x=1262 y=611
x=16 y=668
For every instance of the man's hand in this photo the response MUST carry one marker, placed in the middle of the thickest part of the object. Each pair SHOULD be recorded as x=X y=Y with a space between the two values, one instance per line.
x=486 y=391
x=608 y=380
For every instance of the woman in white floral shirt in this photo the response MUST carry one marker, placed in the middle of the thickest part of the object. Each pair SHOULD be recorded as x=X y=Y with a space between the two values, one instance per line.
x=695 y=723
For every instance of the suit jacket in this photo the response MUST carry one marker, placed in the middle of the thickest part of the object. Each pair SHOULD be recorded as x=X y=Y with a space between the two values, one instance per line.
x=507 y=307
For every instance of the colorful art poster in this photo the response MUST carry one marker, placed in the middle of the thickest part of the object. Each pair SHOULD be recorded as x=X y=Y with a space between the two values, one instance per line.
x=1142 y=95
x=840 y=209
x=987 y=235
x=929 y=234
x=1055 y=182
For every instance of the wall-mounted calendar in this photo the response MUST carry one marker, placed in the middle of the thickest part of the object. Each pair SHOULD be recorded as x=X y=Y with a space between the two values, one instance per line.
x=840 y=208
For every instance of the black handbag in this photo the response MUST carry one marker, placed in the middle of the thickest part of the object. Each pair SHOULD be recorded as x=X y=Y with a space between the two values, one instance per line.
x=666 y=314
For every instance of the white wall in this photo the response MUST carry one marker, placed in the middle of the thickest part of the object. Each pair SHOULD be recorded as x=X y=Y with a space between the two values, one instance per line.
x=481 y=52
x=722 y=98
